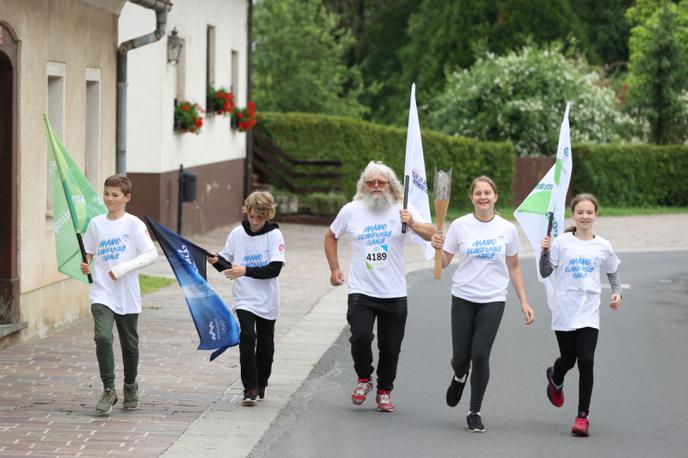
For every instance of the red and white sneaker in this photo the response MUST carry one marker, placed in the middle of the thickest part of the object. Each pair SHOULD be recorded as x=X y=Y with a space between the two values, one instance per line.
x=556 y=397
x=384 y=402
x=361 y=392
x=580 y=427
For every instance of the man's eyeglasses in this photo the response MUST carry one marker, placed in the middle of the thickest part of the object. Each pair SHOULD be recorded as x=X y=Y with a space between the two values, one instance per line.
x=376 y=183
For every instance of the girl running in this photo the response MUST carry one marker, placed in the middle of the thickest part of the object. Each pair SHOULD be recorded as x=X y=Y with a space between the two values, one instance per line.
x=576 y=259
x=487 y=246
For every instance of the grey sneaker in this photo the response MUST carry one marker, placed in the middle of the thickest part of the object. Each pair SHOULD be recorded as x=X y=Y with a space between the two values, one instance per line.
x=106 y=401
x=131 y=396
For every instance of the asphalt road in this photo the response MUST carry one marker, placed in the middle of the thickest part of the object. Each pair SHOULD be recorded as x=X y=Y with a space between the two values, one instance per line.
x=639 y=405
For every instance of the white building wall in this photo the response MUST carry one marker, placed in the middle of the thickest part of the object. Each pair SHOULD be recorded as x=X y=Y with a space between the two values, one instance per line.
x=152 y=145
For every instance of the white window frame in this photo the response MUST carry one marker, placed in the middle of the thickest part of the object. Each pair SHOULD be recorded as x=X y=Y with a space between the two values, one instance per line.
x=211 y=40
x=55 y=90
x=234 y=74
x=92 y=126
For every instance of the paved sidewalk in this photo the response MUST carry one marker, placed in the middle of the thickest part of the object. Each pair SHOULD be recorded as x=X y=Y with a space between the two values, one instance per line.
x=189 y=406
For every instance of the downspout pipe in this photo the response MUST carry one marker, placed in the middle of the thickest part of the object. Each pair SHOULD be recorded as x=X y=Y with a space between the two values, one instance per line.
x=161 y=8
x=248 y=163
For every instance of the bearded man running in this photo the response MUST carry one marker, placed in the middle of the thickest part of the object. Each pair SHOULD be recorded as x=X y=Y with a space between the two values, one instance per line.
x=377 y=278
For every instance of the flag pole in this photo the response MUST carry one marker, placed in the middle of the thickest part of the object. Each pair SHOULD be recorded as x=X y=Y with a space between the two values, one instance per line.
x=408 y=161
x=550 y=221
x=555 y=197
x=406 y=192
x=83 y=253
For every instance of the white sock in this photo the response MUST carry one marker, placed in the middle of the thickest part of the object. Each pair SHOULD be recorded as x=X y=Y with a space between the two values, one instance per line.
x=462 y=379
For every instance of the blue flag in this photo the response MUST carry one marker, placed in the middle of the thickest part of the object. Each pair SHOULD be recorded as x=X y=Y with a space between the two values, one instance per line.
x=216 y=326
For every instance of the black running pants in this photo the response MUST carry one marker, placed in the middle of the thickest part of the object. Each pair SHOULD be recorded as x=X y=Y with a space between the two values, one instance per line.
x=256 y=348
x=391 y=322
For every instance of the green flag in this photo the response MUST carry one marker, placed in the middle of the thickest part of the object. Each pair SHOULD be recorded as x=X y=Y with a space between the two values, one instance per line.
x=75 y=203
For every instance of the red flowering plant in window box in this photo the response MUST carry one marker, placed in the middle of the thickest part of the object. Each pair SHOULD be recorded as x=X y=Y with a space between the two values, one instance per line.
x=219 y=101
x=244 y=118
x=187 y=117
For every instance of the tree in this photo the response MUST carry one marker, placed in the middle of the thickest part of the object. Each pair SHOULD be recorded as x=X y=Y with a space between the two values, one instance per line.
x=658 y=74
x=379 y=27
x=446 y=34
x=300 y=60
x=642 y=10
x=606 y=27
x=521 y=98
x=399 y=42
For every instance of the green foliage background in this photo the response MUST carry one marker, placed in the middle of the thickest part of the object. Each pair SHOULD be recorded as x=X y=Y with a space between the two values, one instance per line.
x=632 y=175
x=299 y=61
x=356 y=143
x=521 y=96
x=658 y=73
x=388 y=44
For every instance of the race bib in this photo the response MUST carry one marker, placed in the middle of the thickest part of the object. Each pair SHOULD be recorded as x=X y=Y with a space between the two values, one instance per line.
x=376 y=256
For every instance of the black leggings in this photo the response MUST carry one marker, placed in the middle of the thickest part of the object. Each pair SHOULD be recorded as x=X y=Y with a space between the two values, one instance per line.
x=474 y=328
x=577 y=345
x=256 y=348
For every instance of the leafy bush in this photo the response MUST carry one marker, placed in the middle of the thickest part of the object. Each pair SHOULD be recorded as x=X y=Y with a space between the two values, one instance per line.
x=356 y=143
x=632 y=175
x=521 y=98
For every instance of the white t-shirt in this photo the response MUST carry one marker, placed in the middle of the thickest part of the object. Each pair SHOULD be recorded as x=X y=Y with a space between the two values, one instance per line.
x=112 y=242
x=577 y=267
x=482 y=247
x=256 y=295
x=377 y=248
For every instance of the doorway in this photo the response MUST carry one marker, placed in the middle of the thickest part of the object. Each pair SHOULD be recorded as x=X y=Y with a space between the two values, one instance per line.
x=9 y=281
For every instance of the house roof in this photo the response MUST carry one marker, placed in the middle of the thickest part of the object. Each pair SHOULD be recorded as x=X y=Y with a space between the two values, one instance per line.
x=115 y=6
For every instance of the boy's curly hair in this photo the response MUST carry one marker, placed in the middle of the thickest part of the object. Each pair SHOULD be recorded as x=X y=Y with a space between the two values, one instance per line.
x=261 y=203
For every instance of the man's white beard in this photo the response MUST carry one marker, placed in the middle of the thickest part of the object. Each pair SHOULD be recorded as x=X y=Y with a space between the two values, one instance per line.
x=380 y=204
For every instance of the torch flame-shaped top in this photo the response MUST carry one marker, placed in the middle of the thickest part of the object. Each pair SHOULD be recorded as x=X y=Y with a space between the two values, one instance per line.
x=442 y=184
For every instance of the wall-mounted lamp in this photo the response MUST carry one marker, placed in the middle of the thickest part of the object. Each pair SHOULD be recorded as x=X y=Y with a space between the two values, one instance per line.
x=174 y=47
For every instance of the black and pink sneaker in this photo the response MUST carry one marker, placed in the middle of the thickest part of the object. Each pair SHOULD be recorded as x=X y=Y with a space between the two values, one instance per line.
x=361 y=392
x=556 y=396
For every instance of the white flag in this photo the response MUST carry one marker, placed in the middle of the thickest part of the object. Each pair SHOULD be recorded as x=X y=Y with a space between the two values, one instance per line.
x=414 y=172
x=548 y=196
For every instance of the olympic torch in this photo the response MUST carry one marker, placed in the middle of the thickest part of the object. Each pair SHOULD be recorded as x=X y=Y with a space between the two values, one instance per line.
x=442 y=195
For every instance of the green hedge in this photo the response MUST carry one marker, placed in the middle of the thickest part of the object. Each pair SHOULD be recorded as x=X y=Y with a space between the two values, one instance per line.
x=356 y=143
x=632 y=175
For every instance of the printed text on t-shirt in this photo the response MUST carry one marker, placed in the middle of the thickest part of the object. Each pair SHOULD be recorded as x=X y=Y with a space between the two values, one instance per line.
x=375 y=234
x=254 y=260
x=579 y=268
x=110 y=249
x=484 y=249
